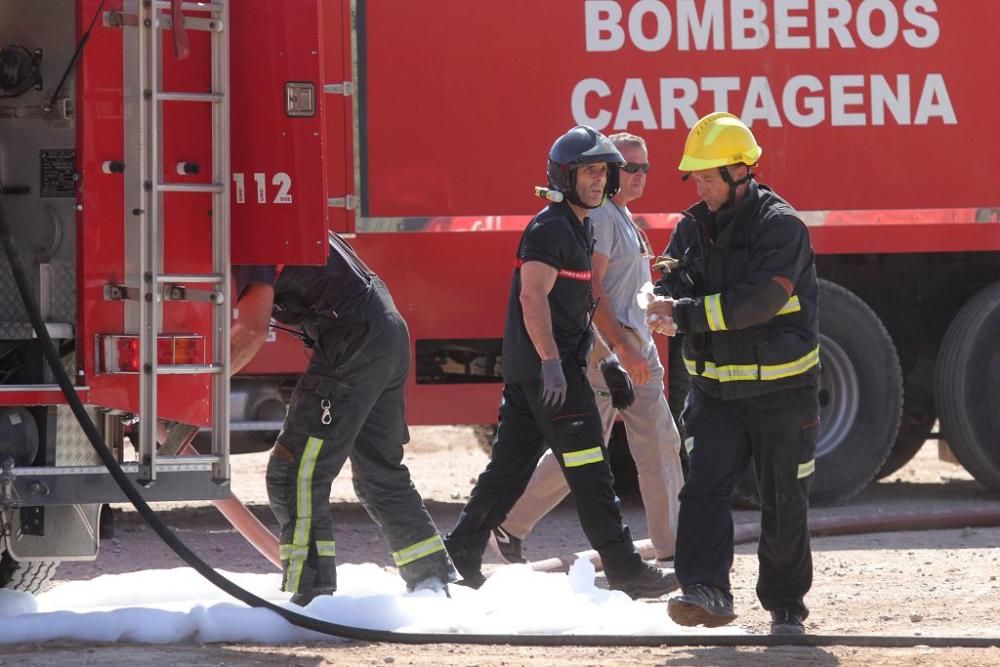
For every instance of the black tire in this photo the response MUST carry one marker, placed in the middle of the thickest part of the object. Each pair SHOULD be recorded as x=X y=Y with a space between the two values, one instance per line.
x=914 y=429
x=678 y=380
x=240 y=442
x=861 y=398
x=28 y=576
x=622 y=464
x=485 y=434
x=678 y=386
x=967 y=386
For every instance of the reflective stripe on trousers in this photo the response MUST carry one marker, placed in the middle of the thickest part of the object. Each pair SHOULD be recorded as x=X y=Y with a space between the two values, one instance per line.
x=299 y=549
x=414 y=552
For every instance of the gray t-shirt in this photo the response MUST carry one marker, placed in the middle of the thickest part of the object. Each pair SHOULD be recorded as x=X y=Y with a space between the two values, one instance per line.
x=616 y=237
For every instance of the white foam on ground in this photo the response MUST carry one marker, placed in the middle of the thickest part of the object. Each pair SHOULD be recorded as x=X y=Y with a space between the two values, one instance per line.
x=179 y=606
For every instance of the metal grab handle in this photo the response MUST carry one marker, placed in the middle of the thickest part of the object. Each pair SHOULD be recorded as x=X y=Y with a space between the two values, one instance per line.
x=182 y=49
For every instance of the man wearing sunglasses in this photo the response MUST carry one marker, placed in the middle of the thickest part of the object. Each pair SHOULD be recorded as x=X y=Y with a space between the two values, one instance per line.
x=620 y=269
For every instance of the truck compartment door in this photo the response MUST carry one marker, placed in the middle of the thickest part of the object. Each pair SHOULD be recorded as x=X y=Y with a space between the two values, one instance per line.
x=279 y=188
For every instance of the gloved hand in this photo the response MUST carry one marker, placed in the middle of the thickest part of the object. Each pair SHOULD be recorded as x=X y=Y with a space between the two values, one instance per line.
x=553 y=392
x=619 y=383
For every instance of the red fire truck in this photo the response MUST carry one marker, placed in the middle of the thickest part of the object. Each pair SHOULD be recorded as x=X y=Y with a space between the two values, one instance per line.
x=872 y=123
x=145 y=146
x=130 y=131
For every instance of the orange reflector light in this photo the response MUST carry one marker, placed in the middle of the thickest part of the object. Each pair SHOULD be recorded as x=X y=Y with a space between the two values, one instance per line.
x=120 y=354
x=189 y=350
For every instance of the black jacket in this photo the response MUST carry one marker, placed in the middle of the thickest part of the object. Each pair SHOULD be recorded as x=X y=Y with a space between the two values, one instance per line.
x=752 y=326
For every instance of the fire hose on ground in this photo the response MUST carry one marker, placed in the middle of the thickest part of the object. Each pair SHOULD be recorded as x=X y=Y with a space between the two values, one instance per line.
x=349 y=632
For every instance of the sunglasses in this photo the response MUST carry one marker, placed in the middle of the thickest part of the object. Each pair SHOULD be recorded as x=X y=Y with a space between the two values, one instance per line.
x=635 y=167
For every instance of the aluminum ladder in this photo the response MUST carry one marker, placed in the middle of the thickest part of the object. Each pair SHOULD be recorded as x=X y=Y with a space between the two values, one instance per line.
x=146 y=189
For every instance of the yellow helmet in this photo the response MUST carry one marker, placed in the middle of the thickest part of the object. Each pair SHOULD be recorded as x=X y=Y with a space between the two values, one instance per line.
x=717 y=140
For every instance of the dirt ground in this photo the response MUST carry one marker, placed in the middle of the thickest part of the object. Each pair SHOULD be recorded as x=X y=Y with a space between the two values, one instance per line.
x=931 y=583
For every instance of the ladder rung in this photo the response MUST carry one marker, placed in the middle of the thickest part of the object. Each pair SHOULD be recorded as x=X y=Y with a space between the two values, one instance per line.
x=189 y=369
x=187 y=463
x=145 y=75
x=210 y=278
x=173 y=96
x=190 y=187
x=191 y=6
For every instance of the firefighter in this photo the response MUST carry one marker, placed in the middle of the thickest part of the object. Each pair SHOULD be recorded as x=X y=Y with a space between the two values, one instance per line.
x=751 y=348
x=348 y=404
x=547 y=399
x=621 y=269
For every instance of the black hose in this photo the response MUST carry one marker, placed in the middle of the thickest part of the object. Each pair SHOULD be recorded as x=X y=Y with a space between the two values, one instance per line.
x=350 y=632
x=76 y=55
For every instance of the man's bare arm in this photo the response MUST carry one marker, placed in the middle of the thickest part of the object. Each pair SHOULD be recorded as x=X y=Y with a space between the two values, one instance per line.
x=249 y=329
x=537 y=280
x=621 y=343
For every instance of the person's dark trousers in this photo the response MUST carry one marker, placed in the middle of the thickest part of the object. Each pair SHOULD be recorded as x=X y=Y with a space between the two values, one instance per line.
x=576 y=437
x=779 y=431
x=349 y=403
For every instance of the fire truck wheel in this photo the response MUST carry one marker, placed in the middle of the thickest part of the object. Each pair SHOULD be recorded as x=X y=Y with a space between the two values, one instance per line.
x=485 y=433
x=861 y=399
x=861 y=396
x=914 y=429
x=678 y=385
x=622 y=464
x=240 y=442
x=27 y=576
x=678 y=380
x=967 y=386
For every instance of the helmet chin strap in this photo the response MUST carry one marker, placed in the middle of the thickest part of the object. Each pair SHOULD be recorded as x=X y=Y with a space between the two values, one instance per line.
x=733 y=184
x=575 y=200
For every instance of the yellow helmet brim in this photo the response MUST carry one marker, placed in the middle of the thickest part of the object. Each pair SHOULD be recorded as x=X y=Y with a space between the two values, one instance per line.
x=691 y=163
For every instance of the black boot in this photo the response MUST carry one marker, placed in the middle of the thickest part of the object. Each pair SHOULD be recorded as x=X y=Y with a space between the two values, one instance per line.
x=785 y=622
x=646 y=581
x=304 y=598
x=701 y=604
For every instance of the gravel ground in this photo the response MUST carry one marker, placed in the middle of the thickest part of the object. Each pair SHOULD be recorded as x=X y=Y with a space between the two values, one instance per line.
x=928 y=583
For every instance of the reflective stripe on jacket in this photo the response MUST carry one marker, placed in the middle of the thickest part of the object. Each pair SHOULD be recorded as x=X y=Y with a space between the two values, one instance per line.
x=755 y=329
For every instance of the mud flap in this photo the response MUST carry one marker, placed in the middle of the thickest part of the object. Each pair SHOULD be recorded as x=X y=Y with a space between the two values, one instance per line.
x=60 y=532
x=55 y=533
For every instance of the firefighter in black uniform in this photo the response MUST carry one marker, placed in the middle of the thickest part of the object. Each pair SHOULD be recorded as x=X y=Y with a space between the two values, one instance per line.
x=741 y=273
x=348 y=404
x=547 y=400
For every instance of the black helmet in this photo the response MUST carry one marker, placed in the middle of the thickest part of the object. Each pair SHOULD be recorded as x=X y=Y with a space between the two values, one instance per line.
x=582 y=145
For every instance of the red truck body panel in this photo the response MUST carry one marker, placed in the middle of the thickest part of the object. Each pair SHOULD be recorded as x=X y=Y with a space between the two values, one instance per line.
x=871 y=109
x=279 y=165
x=102 y=218
x=857 y=114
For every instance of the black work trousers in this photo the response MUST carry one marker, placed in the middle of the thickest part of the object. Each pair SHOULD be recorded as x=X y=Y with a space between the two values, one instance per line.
x=576 y=437
x=779 y=431
x=349 y=404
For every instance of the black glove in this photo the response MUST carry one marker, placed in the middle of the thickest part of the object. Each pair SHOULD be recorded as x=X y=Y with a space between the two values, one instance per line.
x=553 y=392
x=619 y=383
